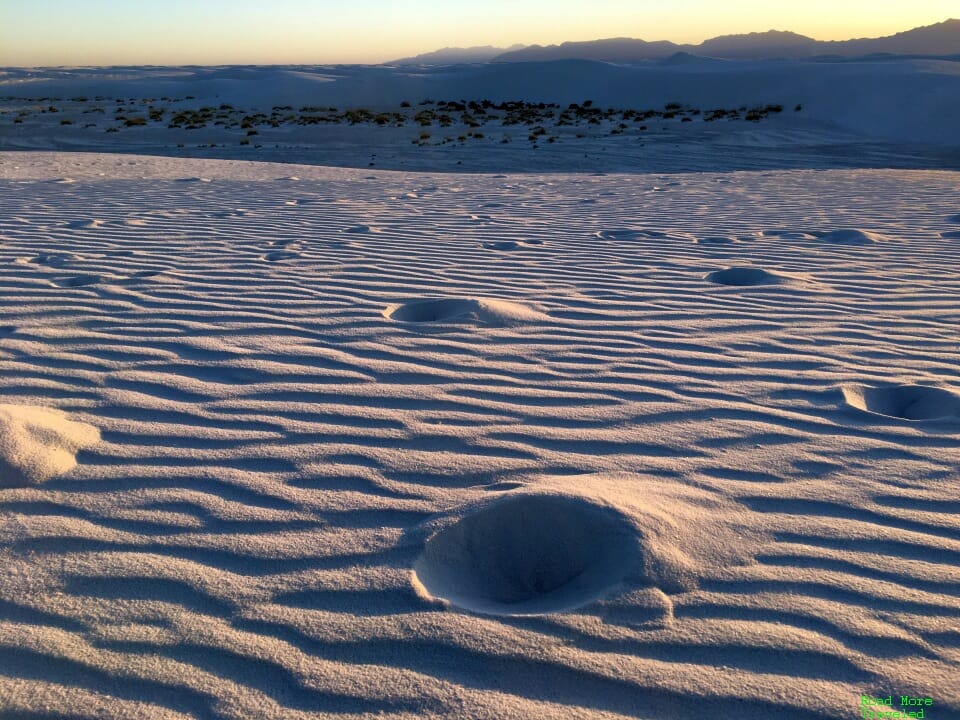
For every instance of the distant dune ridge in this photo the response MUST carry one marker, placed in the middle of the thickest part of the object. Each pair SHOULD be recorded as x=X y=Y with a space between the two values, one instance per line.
x=903 y=100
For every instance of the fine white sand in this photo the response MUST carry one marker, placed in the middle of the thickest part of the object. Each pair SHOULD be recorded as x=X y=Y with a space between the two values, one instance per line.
x=359 y=443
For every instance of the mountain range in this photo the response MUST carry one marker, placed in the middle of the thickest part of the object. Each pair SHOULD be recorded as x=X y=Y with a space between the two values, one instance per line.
x=455 y=55
x=940 y=39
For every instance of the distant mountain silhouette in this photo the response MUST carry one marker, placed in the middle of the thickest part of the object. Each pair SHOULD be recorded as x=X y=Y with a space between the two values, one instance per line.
x=939 y=39
x=456 y=55
x=772 y=43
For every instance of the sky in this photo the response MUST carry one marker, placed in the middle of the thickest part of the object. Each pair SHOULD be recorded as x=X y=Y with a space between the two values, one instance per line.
x=206 y=32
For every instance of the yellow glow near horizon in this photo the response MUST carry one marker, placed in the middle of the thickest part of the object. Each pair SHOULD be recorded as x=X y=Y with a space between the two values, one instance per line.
x=112 y=32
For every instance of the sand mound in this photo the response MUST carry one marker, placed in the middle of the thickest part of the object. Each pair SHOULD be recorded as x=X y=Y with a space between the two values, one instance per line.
x=37 y=443
x=849 y=237
x=455 y=310
x=528 y=554
x=743 y=277
x=907 y=402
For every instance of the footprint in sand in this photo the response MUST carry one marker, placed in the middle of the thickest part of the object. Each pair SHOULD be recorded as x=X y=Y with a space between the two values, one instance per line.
x=139 y=277
x=715 y=240
x=849 y=236
x=744 y=277
x=85 y=224
x=171 y=213
x=527 y=554
x=360 y=230
x=629 y=234
x=54 y=259
x=787 y=234
x=502 y=245
x=285 y=243
x=904 y=402
x=79 y=281
x=279 y=255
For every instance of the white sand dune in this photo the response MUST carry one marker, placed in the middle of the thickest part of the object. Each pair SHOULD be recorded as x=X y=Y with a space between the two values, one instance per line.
x=668 y=454
x=890 y=112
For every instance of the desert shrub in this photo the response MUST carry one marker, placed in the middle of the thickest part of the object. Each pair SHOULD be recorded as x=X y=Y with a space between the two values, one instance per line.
x=134 y=121
x=66 y=122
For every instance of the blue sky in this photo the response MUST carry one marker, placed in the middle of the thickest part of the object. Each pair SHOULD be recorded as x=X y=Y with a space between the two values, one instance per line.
x=108 y=32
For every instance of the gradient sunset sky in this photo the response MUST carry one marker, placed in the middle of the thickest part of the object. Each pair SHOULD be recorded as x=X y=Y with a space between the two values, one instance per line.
x=170 y=32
